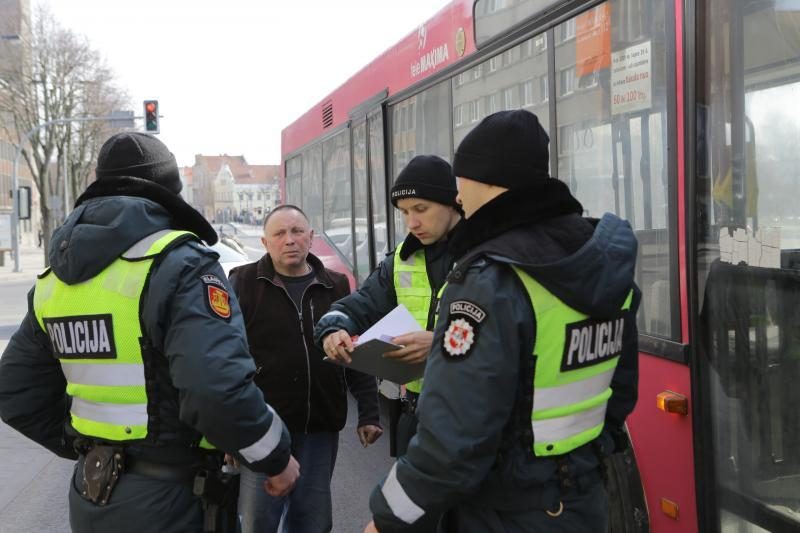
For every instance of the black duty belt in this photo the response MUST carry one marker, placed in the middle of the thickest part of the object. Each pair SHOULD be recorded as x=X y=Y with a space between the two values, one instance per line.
x=161 y=471
x=546 y=496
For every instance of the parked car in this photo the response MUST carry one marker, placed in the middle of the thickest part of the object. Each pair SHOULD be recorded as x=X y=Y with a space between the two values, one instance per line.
x=229 y=257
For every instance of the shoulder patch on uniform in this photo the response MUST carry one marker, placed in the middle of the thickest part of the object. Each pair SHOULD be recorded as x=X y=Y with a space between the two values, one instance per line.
x=217 y=296
x=211 y=279
x=459 y=338
x=467 y=308
x=219 y=301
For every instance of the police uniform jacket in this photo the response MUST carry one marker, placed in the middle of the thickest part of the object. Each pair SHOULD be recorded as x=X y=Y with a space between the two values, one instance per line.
x=200 y=365
x=309 y=394
x=376 y=297
x=472 y=455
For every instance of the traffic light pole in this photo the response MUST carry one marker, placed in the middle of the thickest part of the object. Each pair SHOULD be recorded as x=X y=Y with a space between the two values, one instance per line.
x=15 y=175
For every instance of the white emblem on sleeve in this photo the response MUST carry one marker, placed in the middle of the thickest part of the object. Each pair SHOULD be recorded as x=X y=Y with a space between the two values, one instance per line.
x=459 y=337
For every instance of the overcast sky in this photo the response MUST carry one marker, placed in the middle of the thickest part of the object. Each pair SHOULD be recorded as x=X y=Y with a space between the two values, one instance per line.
x=230 y=75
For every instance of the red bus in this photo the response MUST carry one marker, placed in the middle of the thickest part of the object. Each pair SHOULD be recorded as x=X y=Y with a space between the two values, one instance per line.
x=680 y=116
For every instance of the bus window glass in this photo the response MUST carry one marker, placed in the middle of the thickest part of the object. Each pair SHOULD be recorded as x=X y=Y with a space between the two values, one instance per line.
x=377 y=167
x=312 y=185
x=496 y=17
x=747 y=175
x=360 y=199
x=508 y=84
x=611 y=107
x=336 y=210
x=294 y=185
x=425 y=130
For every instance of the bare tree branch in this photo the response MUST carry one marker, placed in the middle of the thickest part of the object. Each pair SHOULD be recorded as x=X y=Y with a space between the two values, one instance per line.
x=62 y=77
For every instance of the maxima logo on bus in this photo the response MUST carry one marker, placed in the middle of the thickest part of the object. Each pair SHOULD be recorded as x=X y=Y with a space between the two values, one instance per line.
x=430 y=60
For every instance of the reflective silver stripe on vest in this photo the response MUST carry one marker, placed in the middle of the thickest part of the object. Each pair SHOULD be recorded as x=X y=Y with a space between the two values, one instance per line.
x=571 y=393
x=139 y=249
x=110 y=375
x=563 y=427
x=334 y=313
x=404 y=278
x=401 y=505
x=264 y=446
x=111 y=413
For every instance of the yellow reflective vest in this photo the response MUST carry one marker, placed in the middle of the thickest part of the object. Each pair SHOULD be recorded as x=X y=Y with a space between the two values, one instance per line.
x=414 y=291
x=95 y=331
x=576 y=356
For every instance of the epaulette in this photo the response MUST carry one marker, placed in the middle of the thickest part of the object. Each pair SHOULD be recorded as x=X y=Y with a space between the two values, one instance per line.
x=460 y=269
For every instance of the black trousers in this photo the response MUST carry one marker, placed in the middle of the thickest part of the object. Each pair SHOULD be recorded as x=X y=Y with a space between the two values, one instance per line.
x=139 y=504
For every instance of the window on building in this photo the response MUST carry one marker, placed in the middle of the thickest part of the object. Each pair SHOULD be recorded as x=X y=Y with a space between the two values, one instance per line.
x=501 y=91
x=458 y=115
x=566 y=81
x=494 y=103
x=527 y=93
x=509 y=102
x=566 y=31
x=539 y=43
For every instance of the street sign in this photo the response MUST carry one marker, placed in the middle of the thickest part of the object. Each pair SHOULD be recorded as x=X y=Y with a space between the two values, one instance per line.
x=121 y=119
x=24 y=197
x=5 y=231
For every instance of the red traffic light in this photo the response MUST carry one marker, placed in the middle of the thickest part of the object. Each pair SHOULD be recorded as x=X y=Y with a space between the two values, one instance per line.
x=151 y=116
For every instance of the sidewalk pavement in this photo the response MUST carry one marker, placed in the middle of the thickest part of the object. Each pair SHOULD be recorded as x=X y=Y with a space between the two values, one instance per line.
x=31 y=264
x=31 y=476
x=248 y=229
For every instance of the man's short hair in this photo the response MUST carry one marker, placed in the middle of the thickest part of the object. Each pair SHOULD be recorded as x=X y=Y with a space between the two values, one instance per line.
x=284 y=207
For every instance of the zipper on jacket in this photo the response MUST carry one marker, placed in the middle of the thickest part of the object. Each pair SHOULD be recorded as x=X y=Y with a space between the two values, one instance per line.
x=308 y=357
x=432 y=308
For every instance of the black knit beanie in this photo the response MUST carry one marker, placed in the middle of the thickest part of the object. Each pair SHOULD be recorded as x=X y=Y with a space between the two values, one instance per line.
x=507 y=148
x=139 y=155
x=428 y=177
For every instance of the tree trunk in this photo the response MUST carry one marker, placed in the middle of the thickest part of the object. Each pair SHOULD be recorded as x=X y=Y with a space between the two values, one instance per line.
x=47 y=232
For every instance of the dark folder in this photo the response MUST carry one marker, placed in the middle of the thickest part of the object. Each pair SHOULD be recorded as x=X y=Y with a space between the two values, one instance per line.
x=368 y=358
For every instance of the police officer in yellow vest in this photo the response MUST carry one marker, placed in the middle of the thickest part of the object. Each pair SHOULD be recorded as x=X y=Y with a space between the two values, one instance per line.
x=425 y=193
x=133 y=357
x=534 y=357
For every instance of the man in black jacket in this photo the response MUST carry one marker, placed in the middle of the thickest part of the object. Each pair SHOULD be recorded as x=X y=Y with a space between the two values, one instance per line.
x=534 y=363
x=132 y=351
x=282 y=295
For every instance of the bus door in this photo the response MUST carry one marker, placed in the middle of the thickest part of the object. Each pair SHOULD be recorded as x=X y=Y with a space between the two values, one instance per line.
x=748 y=273
x=369 y=191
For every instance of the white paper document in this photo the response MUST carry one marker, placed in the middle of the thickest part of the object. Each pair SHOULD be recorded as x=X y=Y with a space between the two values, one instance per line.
x=397 y=322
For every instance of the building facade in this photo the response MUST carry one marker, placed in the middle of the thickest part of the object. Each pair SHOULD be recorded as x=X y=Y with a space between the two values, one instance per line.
x=15 y=39
x=228 y=189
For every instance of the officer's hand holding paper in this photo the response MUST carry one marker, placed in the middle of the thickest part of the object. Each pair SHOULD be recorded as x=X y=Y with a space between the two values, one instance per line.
x=415 y=347
x=368 y=352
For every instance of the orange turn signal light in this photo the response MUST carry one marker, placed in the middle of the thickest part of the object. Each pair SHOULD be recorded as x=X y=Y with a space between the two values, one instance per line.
x=672 y=402
x=670 y=508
